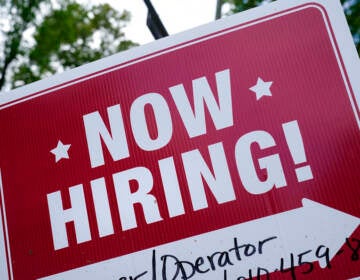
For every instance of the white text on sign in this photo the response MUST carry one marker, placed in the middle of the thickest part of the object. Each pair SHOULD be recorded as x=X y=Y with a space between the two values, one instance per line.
x=201 y=176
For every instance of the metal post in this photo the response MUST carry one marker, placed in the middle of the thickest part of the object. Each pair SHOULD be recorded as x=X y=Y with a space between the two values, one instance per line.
x=218 y=9
x=154 y=23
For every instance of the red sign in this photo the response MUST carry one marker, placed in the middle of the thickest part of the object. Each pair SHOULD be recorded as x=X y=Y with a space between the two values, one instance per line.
x=245 y=136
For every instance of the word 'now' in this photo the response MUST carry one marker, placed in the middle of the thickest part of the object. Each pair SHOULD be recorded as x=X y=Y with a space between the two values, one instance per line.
x=202 y=176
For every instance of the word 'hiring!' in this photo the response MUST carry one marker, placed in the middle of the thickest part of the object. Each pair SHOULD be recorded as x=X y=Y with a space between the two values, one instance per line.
x=201 y=176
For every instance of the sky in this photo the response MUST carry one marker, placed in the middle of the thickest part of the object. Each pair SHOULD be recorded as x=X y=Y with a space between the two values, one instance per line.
x=176 y=15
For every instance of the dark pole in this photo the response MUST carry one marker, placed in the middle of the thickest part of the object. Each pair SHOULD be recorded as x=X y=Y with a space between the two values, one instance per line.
x=154 y=23
x=218 y=9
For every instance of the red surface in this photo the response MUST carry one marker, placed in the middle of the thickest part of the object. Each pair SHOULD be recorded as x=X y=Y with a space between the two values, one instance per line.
x=293 y=50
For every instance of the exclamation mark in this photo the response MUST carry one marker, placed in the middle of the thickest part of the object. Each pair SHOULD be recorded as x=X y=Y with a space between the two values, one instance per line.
x=296 y=147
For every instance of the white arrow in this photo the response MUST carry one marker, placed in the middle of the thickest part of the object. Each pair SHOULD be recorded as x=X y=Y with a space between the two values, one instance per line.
x=297 y=231
x=315 y=224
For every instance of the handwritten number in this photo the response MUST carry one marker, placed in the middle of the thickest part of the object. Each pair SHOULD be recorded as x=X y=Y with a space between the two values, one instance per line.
x=323 y=252
x=291 y=269
x=302 y=262
x=354 y=250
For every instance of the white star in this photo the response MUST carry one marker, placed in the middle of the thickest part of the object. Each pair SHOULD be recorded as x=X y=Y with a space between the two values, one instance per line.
x=261 y=88
x=61 y=151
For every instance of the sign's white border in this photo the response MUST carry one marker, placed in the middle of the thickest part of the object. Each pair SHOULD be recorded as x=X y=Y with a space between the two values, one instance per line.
x=333 y=8
x=336 y=24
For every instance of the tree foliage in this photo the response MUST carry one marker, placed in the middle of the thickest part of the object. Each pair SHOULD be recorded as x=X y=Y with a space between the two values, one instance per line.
x=58 y=36
x=19 y=15
x=352 y=12
x=351 y=9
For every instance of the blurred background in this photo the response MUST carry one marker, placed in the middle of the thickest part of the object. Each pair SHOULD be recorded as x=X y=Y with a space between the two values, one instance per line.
x=39 y=38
